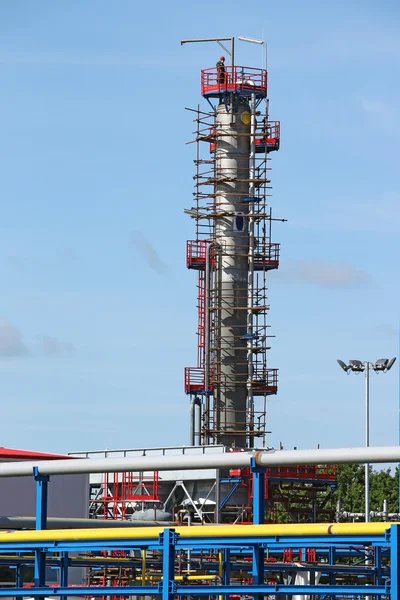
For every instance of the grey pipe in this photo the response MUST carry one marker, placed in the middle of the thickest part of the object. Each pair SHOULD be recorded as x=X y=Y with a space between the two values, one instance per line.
x=193 y=433
x=207 y=338
x=264 y=458
x=250 y=279
x=71 y=523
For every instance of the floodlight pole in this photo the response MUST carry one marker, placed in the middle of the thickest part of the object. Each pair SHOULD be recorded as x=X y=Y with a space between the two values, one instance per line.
x=357 y=366
x=367 y=510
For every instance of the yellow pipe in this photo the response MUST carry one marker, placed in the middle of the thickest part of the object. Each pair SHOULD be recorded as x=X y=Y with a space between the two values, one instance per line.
x=196 y=532
x=144 y=566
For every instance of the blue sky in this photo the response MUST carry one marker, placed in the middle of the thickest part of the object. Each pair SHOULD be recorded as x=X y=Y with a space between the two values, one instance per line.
x=97 y=313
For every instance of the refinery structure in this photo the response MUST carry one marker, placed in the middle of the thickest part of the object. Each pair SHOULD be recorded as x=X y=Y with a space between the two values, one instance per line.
x=206 y=519
x=232 y=253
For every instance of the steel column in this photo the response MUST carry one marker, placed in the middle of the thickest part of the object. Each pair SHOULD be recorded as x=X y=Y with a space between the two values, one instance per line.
x=258 y=492
x=42 y=482
x=64 y=572
x=167 y=585
x=258 y=519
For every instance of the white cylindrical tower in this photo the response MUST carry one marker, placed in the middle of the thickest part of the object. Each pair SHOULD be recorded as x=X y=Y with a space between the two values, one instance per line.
x=231 y=235
x=232 y=253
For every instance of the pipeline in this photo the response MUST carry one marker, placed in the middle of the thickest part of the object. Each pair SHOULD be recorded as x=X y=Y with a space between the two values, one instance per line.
x=195 y=401
x=264 y=458
x=234 y=531
x=74 y=523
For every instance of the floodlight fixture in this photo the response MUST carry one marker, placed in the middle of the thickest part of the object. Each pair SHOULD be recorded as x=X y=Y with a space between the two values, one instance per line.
x=384 y=364
x=243 y=38
x=343 y=365
x=356 y=365
x=381 y=364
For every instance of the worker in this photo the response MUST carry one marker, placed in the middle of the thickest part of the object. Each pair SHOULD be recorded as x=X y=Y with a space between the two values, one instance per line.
x=221 y=70
x=221 y=74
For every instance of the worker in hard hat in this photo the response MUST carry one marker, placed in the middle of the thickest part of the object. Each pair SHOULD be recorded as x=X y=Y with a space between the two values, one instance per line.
x=221 y=70
x=221 y=73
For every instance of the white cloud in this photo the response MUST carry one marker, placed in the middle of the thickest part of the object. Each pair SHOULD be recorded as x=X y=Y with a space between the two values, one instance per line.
x=325 y=274
x=51 y=346
x=148 y=252
x=13 y=346
x=11 y=342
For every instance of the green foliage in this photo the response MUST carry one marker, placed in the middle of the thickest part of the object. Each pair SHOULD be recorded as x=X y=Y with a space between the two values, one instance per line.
x=351 y=485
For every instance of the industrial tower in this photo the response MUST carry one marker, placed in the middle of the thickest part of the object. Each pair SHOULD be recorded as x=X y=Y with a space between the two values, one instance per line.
x=232 y=253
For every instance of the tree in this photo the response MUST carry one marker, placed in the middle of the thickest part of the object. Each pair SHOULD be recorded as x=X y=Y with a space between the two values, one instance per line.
x=351 y=489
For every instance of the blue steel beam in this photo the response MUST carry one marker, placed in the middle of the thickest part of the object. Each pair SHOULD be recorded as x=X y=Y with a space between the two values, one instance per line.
x=202 y=590
x=198 y=543
x=42 y=482
x=167 y=586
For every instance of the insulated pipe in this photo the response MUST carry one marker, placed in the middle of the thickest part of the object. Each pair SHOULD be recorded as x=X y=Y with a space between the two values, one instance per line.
x=250 y=277
x=209 y=247
x=71 y=523
x=263 y=458
x=195 y=401
x=218 y=531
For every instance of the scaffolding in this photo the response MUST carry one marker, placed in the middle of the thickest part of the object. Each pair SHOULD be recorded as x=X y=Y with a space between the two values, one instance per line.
x=119 y=495
x=232 y=318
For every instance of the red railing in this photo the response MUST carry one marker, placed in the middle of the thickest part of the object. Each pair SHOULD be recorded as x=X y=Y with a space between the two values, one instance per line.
x=196 y=254
x=122 y=488
x=266 y=255
x=315 y=472
x=273 y=129
x=194 y=380
x=244 y=80
x=265 y=381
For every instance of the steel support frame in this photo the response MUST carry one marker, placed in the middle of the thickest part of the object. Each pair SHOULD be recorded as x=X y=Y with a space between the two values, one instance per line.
x=167 y=586
x=169 y=542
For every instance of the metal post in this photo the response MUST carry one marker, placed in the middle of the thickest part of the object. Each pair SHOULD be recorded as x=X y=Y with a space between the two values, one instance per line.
x=41 y=523
x=64 y=572
x=217 y=495
x=394 y=562
x=226 y=568
x=367 y=509
x=167 y=584
x=19 y=577
x=258 y=492
x=258 y=474
x=41 y=498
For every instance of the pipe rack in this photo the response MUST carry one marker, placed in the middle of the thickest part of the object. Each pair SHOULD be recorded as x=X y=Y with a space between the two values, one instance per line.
x=247 y=546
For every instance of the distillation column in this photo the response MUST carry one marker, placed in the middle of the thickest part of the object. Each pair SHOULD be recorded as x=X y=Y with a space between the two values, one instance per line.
x=232 y=149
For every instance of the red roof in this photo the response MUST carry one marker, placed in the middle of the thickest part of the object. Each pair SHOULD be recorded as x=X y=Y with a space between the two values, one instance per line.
x=12 y=454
